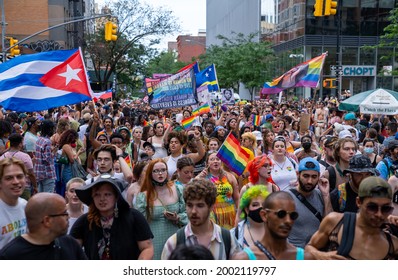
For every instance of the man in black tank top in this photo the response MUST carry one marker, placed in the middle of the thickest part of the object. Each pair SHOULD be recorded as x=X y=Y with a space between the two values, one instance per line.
x=343 y=198
x=359 y=235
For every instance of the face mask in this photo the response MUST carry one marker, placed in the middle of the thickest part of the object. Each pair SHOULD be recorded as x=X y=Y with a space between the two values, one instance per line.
x=160 y=184
x=73 y=145
x=255 y=215
x=395 y=197
x=368 y=150
x=306 y=146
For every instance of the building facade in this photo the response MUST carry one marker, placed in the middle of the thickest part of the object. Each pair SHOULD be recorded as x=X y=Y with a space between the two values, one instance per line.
x=190 y=47
x=24 y=18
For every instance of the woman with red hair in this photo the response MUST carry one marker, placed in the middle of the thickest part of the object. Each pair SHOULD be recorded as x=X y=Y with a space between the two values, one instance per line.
x=259 y=170
x=162 y=204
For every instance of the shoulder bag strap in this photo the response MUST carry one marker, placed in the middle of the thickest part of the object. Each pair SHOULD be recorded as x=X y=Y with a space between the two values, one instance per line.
x=226 y=237
x=264 y=250
x=307 y=204
x=180 y=236
x=347 y=239
x=332 y=177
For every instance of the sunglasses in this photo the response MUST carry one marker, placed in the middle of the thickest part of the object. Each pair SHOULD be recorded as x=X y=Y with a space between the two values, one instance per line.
x=280 y=138
x=374 y=208
x=309 y=164
x=282 y=214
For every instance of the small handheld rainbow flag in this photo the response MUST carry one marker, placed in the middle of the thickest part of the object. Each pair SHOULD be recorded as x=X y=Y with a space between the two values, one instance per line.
x=204 y=109
x=256 y=120
x=145 y=123
x=233 y=155
x=187 y=123
x=128 y=161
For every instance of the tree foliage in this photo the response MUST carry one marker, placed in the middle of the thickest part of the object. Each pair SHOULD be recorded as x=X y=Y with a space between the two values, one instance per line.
x=240 y=59
x=164 y=63
x=139 y=27
x=390 y=38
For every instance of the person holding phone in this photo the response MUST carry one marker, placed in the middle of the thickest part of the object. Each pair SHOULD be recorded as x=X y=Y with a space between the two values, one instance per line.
x=162 y=204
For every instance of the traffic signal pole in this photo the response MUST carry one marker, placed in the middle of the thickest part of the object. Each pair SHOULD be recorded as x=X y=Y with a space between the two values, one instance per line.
x=339 y=54
x=4 y=51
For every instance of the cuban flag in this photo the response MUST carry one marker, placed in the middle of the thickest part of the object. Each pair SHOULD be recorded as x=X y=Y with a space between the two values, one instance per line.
x=44 y=80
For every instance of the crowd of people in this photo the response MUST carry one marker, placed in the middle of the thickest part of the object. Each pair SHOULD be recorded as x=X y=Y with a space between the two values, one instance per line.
x=117 y=180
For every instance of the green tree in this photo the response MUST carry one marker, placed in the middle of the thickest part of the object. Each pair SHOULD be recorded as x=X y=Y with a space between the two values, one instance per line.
x=164 y=63
x=240 y=60
x=139 y=27
x=390 y=39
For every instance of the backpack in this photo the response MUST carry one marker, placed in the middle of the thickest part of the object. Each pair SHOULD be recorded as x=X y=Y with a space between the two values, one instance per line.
x=225 y=234
x=389 y=170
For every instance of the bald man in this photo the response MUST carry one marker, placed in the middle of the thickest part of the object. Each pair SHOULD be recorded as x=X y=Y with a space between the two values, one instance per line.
x=47 y=221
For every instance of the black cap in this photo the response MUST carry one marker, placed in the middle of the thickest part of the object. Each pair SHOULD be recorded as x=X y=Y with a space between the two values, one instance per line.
x=392 y=144
x=361 y=163
x=31 y=121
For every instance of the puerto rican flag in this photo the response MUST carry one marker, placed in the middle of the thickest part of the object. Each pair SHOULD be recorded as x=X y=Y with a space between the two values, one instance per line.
x=44 y=80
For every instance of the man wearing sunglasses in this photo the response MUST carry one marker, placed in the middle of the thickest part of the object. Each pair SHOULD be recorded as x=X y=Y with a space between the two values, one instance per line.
x=362 y=237
x=47 y=221
x=278 y=214
x=312 y=201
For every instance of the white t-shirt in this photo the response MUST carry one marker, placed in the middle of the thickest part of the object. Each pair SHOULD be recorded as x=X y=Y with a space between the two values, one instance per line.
x=12 y=221
x=283 y=174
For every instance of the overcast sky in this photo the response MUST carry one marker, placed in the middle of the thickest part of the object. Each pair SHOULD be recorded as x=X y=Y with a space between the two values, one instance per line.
x=191 y=13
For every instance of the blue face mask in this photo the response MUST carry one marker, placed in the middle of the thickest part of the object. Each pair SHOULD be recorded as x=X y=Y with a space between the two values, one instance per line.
x=368 y=150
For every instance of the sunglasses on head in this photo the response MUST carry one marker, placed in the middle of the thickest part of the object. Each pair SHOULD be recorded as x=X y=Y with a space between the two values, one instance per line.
x=309 y=164
x=279 y=138
x=282 y=213
x=374 y=208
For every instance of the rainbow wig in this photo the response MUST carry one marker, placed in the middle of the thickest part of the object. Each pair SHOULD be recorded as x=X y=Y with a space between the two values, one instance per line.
x=249 y=194
x=255 y=164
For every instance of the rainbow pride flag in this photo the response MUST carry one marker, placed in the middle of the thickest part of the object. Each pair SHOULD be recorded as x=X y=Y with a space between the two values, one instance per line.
x=128 y=161
x=233 y=155
x=188 y=122
x=256 y=120
x=204 y=109
x=306 y=74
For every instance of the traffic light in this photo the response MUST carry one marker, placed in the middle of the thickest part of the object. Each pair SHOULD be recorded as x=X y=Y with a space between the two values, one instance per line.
x=110 y=31
x=330 y=7
x=329 y=83
x=14 y=50
x=318 y=8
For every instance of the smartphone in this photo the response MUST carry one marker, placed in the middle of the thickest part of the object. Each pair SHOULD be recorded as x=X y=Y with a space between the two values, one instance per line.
x=169 y=213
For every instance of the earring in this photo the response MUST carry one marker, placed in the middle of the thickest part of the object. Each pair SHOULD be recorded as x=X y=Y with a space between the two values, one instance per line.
x=116 y=211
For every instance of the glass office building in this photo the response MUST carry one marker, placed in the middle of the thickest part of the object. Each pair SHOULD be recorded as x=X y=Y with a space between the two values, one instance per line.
x=300 y=36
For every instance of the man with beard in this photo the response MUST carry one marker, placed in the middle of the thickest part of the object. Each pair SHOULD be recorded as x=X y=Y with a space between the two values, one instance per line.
x=279 y=215
x=326 y=159
x=48 y=221
x=343 y=198
x=362 y=237
x=312 y=203
x=200 y=197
